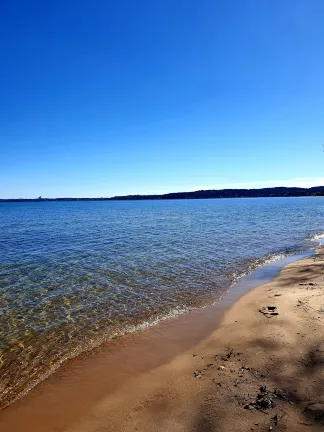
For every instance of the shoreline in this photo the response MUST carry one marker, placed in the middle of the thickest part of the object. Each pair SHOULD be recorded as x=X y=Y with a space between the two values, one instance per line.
x=36 y=411
x=258 y=271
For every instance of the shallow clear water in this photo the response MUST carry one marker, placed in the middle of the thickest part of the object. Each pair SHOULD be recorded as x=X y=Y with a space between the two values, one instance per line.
x=73 y=274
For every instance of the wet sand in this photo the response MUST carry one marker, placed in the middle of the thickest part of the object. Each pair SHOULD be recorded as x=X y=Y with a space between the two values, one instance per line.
x=169 y=379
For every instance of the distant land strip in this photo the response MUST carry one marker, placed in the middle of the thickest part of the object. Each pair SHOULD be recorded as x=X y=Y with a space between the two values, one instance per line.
x=201 y=194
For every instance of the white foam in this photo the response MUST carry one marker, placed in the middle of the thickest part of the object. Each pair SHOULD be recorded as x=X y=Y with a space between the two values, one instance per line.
x=316 y=236
x=259 y=262
x=179 y=310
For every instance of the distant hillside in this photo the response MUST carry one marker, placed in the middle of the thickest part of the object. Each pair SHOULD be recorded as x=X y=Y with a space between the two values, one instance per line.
x=202 y=194
x=232 y=193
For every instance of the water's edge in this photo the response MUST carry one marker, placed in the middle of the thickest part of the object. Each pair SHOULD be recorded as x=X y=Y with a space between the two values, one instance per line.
x=243 y=283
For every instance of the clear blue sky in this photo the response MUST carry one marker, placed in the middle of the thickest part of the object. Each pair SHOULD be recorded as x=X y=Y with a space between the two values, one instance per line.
x=102 y=98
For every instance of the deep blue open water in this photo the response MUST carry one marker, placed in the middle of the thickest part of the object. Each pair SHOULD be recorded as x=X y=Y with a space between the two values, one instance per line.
x=74 y=274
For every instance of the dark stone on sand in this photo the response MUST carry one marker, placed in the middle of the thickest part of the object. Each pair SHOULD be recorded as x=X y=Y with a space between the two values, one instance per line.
x=269 y=311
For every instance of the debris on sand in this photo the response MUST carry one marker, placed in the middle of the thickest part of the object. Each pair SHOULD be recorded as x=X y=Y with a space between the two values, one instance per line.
x=227 y=356
x=263 y=401
x=197 y=373
x=308 y=284
x=269 y=311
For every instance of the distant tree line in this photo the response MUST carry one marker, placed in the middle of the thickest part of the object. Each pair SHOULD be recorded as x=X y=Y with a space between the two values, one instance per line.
x=201 y=194
x=232 y=193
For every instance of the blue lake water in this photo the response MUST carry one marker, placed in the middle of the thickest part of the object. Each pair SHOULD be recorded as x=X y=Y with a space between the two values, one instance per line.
x=73 y=274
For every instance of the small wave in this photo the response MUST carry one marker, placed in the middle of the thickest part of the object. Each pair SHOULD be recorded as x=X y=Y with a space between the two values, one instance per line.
x=254 y=263
x=179 y=310
x=316 y=236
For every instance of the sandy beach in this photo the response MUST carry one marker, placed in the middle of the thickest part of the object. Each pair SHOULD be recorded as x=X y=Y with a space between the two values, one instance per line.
x=260 y=369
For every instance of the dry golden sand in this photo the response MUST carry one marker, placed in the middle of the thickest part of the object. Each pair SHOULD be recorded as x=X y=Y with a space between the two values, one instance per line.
x=284 y=353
